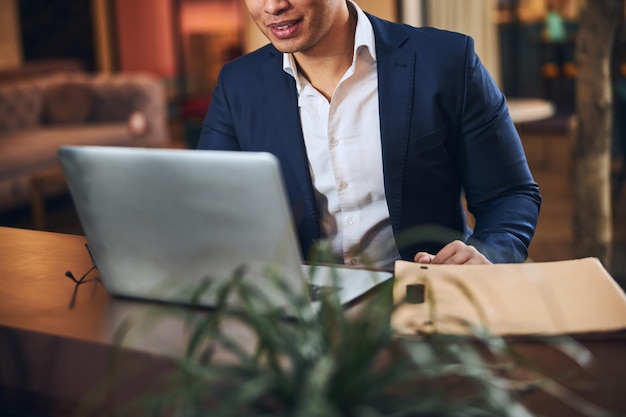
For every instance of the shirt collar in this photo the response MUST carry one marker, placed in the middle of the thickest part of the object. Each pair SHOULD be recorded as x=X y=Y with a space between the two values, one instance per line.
x=363 y=39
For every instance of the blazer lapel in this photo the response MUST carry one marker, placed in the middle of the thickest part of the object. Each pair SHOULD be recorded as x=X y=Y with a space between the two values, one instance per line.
x=396 y=76
x=282 y=103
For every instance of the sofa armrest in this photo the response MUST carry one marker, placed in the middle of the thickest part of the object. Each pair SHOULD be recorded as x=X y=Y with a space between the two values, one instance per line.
x=117 y=97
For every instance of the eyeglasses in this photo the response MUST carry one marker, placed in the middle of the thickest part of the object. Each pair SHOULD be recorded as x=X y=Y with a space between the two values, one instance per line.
x=82 y=279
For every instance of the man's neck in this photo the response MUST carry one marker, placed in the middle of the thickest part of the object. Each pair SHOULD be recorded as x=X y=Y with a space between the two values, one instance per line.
x=325 y=65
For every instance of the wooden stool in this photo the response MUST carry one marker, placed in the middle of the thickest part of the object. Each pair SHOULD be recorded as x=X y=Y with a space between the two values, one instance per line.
x=39 y=183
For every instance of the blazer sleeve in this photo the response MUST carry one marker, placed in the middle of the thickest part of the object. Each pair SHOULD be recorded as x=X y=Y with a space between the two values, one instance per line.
x=218 y=129
x=498 y=185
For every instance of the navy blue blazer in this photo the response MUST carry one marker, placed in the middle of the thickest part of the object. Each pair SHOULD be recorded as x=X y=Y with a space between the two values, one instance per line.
x=445 y=131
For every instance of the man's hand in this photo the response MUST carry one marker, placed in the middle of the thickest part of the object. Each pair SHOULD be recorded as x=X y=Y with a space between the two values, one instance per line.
x=456 y=252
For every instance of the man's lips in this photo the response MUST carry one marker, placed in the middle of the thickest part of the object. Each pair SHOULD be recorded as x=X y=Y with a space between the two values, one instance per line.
x=283 y=30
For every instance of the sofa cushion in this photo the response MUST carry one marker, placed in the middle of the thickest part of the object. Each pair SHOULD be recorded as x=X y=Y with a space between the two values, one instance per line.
x=68 y=103
x=20 y=107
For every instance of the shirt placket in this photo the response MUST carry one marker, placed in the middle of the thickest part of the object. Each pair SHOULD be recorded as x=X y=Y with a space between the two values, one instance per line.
x=339 y=149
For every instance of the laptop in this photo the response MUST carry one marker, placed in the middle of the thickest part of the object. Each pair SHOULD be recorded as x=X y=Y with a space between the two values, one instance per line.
x=173 y=225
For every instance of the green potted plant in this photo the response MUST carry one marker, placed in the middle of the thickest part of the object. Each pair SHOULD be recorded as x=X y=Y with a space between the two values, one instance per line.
x=332 y=362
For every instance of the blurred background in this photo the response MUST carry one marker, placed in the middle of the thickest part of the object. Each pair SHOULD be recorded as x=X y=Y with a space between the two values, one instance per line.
x=185 y=42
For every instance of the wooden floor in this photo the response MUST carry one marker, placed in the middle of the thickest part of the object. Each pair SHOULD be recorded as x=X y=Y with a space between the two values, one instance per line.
x=548 y=152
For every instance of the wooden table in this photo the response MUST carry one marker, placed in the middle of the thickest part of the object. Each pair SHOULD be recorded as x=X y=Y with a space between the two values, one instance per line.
x=58 y=340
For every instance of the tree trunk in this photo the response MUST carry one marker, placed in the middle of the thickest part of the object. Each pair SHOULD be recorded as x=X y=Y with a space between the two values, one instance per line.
x=592 y=228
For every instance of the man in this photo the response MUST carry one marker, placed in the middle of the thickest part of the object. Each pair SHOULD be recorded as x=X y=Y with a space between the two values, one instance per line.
x=380 y=128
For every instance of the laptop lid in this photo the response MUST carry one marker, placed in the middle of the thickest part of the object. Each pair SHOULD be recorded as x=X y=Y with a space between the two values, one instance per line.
x=161 y=223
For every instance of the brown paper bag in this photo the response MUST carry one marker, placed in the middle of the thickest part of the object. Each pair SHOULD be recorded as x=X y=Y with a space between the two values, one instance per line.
x=544 y=298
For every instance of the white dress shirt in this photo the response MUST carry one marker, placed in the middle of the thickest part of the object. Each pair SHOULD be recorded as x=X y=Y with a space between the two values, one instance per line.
x=343 y=144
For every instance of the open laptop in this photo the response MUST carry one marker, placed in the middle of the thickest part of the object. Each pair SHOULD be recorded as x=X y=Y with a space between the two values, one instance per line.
x=162 y=223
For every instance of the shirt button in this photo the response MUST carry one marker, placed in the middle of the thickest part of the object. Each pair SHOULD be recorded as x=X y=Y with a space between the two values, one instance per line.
x=343 y=185
x=333 y=142
x=350 y=220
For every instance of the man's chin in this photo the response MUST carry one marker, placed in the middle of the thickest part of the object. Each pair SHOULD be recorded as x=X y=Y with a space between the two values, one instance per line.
x=284 y=49
x=286 y=46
